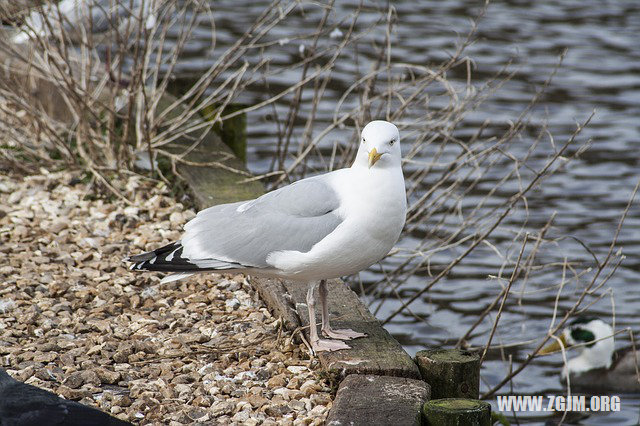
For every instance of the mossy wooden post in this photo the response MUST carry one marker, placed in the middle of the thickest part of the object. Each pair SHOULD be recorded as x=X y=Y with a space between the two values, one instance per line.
x=210 y=185
x=451 y=373
x=457 y=412
x=232 y=131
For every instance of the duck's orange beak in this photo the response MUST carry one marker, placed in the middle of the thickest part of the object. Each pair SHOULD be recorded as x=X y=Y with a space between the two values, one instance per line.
x=555 y=346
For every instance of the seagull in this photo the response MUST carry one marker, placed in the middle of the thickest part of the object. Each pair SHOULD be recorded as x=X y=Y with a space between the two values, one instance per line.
x=26 y=405
x=79 y=17
x=322 y=227
x=599 y=366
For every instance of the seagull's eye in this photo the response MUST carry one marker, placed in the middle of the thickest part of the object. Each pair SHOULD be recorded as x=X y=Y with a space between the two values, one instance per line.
x=364 y=140
x=392 y=141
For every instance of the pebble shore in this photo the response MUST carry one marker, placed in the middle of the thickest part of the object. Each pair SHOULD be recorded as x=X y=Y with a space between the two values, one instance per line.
x=74 y=320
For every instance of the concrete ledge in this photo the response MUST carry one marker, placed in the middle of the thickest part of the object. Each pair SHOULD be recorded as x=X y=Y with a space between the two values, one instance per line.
x=378 y=400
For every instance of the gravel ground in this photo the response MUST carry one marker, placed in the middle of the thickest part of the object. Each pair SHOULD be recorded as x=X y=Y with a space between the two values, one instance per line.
x=76 y=321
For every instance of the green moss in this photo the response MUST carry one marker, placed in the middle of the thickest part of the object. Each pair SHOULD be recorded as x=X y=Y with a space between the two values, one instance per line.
x=457 y=412
x=448 y=355
x=499 y=418
x=457 y=404
x=233 y=131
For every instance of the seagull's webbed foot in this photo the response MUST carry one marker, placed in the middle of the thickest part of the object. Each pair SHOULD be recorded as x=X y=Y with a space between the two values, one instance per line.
x=326 y=345
x=345 y=334
x=318 y=344
x=342 y=334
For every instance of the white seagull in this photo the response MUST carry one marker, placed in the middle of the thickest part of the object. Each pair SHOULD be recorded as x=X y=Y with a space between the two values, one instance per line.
x=318 y=228
x=80 y=18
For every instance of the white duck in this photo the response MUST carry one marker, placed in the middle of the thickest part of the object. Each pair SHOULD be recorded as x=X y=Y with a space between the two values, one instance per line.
x=598 y=367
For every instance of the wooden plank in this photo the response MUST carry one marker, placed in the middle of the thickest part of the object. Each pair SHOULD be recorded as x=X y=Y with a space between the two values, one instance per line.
x=378 y=353
x=378 y=400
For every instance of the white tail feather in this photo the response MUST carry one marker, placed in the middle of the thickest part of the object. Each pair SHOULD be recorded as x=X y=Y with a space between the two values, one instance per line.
x=175 y=277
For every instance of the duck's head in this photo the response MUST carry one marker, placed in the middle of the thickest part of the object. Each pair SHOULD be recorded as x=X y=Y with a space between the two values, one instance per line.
x=595 y=338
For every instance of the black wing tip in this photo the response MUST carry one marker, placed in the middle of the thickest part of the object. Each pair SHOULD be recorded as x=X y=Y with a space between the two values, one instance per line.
x=169 y=259
x=150 y=255
x=165 y=259
x=139 y=257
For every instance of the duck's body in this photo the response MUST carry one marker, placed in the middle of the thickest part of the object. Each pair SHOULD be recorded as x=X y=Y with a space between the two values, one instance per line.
x=620 y=377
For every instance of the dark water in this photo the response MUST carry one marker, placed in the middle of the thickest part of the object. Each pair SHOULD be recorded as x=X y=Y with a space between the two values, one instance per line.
x=601 y=72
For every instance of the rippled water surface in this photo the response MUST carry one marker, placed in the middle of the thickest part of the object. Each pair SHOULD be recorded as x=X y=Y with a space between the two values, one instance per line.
x=601 y=72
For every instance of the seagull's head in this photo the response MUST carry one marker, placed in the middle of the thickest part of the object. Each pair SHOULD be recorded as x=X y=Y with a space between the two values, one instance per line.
x=379 y=145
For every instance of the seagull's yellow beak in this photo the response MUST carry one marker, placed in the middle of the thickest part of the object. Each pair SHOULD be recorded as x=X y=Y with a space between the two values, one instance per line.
x=373 y=157
x=555 y=346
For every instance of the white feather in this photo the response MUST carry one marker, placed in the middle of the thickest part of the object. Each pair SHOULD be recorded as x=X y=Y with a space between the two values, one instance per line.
x=175 y=277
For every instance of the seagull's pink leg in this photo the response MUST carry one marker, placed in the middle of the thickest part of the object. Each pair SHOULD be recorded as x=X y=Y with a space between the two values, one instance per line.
x=344 y=334
x=317 y=344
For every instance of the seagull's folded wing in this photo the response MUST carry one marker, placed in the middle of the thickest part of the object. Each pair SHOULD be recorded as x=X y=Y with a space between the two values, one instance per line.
x=294 y=217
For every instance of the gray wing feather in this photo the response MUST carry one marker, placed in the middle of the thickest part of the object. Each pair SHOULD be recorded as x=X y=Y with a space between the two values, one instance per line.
x=294 y=217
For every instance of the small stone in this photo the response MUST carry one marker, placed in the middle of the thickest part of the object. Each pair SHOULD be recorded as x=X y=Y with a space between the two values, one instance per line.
x=241 y=417
x=202 y=401
x=297 y=405
x=72 y=394
x=198 y=414
x=58 y=226
x=320 y=399
x=182 y=389
x=277 y=381
x=318 y=410
x=90 y=377
x=121 y=400
x=257 y=401
x=278 y=410
x=232 y=304
x=6 y=269
x=310 y=387
x=221 y=408
x=74 y=381
x=107 y=376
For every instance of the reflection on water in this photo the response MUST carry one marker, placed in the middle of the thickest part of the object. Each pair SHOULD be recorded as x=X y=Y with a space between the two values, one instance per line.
x=601 y=71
